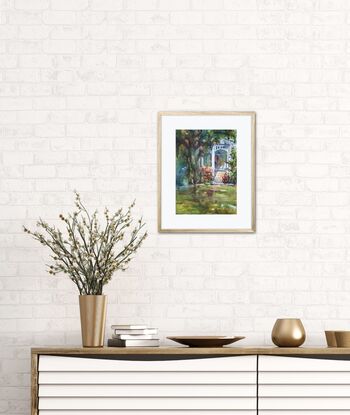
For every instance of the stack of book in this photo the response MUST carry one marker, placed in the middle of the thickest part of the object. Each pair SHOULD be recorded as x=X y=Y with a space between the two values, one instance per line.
x=133 y=335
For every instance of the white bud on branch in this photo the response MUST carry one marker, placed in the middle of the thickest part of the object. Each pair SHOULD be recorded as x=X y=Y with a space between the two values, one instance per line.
x=90 y=253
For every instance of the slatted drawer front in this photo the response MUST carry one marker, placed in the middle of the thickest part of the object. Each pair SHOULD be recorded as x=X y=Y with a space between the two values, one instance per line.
x=73 y=385
x=298 y=412
x=118 y=412
x=314 y=386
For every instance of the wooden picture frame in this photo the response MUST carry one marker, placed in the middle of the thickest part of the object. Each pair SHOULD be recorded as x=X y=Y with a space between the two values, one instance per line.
x=206 y=172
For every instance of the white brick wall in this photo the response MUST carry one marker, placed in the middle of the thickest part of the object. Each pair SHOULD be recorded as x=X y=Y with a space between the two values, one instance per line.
x=81 y=82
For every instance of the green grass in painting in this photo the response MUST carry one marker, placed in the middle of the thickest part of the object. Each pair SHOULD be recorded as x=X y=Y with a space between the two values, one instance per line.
x=208 y=199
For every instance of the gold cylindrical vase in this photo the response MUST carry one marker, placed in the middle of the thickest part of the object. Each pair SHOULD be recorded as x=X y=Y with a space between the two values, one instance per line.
x=92 y=319
x=288 y=332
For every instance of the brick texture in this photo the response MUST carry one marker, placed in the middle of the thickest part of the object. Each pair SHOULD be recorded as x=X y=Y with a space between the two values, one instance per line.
x=80 y=86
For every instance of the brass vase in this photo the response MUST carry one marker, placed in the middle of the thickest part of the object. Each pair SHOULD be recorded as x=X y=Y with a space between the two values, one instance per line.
x=288 y=332
x=92 y=319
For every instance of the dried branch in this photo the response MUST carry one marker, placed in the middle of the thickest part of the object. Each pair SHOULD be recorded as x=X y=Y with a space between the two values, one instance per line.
x=89 y=253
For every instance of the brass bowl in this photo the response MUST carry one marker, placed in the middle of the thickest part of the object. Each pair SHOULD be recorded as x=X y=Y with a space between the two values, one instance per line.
x=288 y=332
x=331 y=339
x=342 y=338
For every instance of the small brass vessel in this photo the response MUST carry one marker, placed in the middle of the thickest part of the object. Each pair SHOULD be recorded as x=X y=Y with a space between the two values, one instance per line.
x=342 y=338
x=331 y=339
x=288 y=332
x=92 y=319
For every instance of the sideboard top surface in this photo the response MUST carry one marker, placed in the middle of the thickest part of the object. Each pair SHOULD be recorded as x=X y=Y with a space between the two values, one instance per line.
x=228 y=351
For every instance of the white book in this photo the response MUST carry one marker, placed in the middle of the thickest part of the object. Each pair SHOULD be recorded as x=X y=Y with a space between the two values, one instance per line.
x=134 y=336
x=129 y=327
x=136 y=332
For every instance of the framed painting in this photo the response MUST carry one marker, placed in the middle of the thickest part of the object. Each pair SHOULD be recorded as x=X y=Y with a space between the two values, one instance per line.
x=206 y=163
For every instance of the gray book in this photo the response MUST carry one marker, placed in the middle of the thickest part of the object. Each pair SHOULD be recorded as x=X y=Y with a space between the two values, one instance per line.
x=133 y=343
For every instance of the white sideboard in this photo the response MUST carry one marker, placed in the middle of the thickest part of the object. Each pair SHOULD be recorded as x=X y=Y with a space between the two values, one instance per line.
x=183 y=381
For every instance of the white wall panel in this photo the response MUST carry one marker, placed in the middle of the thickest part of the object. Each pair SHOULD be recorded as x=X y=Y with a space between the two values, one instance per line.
x=81 y=84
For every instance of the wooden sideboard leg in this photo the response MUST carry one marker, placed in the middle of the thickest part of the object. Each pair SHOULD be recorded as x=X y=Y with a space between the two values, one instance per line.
x=34 y=383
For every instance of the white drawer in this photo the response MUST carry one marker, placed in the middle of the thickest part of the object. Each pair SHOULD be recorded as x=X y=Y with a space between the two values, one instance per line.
x=158 y=390
x=316 y=378
x=117 y=412
x=311 y=386
x=301 y=364
x=287 y=412
x=73 y=384
x=217 y=364
x=302 y=403
x=147 y=403
x=295 y=370
x=185 y=378
x=302 y=390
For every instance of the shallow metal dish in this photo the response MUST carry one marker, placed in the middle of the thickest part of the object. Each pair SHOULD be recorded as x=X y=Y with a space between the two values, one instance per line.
x=205 y=341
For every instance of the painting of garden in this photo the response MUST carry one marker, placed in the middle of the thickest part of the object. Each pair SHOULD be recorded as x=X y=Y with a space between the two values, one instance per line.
x=206 y=172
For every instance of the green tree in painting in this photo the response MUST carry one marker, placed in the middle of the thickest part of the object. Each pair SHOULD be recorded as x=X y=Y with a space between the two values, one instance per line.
x=191 y=145
x=233 y=166
x=189 y=148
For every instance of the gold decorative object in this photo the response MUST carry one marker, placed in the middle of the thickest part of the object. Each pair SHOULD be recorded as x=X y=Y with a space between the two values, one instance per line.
x=288 y=332
x=92 y=319
x=330 y=337
x=342 y=338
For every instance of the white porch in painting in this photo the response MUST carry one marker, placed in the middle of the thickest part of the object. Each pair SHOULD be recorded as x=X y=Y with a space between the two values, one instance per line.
x=218 y=157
